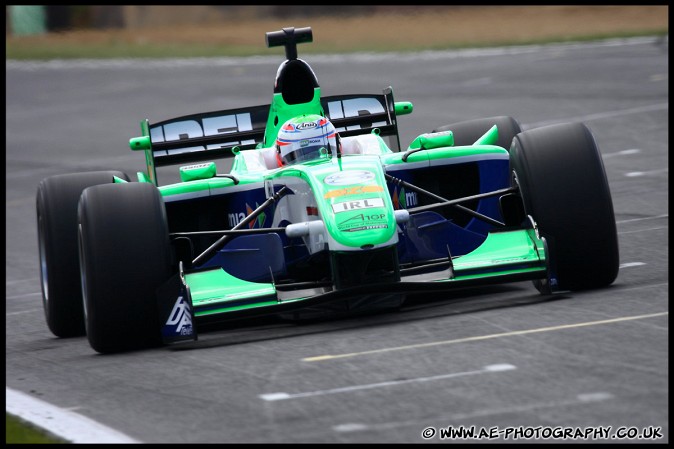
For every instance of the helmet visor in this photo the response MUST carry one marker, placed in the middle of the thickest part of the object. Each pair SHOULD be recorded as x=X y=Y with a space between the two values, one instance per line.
x=303 y=154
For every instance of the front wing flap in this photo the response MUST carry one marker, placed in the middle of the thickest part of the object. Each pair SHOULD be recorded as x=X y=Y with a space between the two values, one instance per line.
x=505 y=256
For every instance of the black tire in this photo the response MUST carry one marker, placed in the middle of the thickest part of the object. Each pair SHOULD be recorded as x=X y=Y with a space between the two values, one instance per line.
x=467 y=132
x=56 y=209
x=564 y=188
x=125 y=255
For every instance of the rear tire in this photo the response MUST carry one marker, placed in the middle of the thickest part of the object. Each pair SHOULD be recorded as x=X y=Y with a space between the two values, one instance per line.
x=125 y=255
x=56 y=209
x=467 y=132
x=564 y=188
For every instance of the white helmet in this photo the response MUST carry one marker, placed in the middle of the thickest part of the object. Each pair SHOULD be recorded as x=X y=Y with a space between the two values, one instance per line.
x=305 y=138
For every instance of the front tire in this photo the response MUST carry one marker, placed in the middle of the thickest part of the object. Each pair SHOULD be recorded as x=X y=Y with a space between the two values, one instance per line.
x=125 y=255
x=56 y=209
x=564 y=188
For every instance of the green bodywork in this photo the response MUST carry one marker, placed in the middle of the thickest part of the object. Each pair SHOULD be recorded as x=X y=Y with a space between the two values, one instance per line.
x=504 y=255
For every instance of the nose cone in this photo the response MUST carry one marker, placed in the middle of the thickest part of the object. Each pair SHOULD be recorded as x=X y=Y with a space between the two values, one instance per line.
x=356 y=207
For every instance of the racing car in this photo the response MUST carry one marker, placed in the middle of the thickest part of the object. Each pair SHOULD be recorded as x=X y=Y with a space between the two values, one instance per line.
x=323 y=213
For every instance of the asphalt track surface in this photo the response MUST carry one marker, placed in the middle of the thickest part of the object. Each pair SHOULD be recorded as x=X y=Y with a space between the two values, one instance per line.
x=495 y=358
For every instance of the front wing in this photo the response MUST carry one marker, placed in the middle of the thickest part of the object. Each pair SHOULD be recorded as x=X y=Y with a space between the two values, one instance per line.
x=213 y=295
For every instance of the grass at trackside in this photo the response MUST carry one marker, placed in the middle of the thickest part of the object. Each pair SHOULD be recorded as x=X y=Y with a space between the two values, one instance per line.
x=50 y=50
x=418 y=29
x=18 y=432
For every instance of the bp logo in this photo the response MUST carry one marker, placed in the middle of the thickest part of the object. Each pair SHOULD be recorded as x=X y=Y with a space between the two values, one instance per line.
x=345 y=178
x=181 y=317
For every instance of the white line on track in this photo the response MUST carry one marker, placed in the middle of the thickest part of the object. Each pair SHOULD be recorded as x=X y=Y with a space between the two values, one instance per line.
x=321 y=358
x=283 y=396
x=621 y=153
x=600 y=115
x=643 y=230
x=633 y=174
x=641 y=287
x=19 y=281
x=24 y=311
x=641 y=219
x=580 y=399
x=61 y=422
x=24 y=295
x=631 y=264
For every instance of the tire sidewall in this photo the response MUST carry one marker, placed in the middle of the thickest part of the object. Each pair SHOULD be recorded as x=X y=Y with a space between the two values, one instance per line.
x=125 y=256
x=563 y=186
x=56 y=213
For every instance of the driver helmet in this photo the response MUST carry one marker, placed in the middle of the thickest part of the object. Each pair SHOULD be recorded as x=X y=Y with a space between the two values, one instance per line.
x=305 y=138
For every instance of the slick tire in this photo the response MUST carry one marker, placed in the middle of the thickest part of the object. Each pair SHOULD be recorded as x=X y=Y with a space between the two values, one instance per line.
x=467 y=132
x=563 y=186
x=56 y=210
x=125 y=255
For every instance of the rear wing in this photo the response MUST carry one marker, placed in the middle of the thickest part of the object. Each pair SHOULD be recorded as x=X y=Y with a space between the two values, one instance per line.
x=213 y=135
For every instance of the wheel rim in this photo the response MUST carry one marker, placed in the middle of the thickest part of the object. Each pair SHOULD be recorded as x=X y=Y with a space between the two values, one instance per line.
x=44 y=273
x=83 y=274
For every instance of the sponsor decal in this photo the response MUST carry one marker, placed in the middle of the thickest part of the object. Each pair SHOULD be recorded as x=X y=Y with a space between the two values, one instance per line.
x=196 y=166
x=361 y=222
x=237 y=217
x=365 y=228
x=208 y=125
x=402 y=199
x=181 y=318
x=175 y=310
x=306 y=125
x=344 y=178
x=367 y=203
x=352 y=191
x=510 y=260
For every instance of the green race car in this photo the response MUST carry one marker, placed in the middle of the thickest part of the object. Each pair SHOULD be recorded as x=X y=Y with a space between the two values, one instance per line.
x=323 y=213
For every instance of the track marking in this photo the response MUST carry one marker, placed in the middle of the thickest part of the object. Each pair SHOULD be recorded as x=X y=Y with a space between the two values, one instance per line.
x=658 y=77
x=631 y=264
x=621 y=153
x=487 y=369
x=477 y=82
x=602 y=115
x=24 y=311
x=24 y=295
x=580 y=399
x=321 y=358
x=633 y=174
x=641 y=287
x=18 y=281
x=641 y=219
x=643 y=230
x=61 y=422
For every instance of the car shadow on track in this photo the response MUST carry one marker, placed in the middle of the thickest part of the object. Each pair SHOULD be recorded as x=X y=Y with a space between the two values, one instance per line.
x=415 y=309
